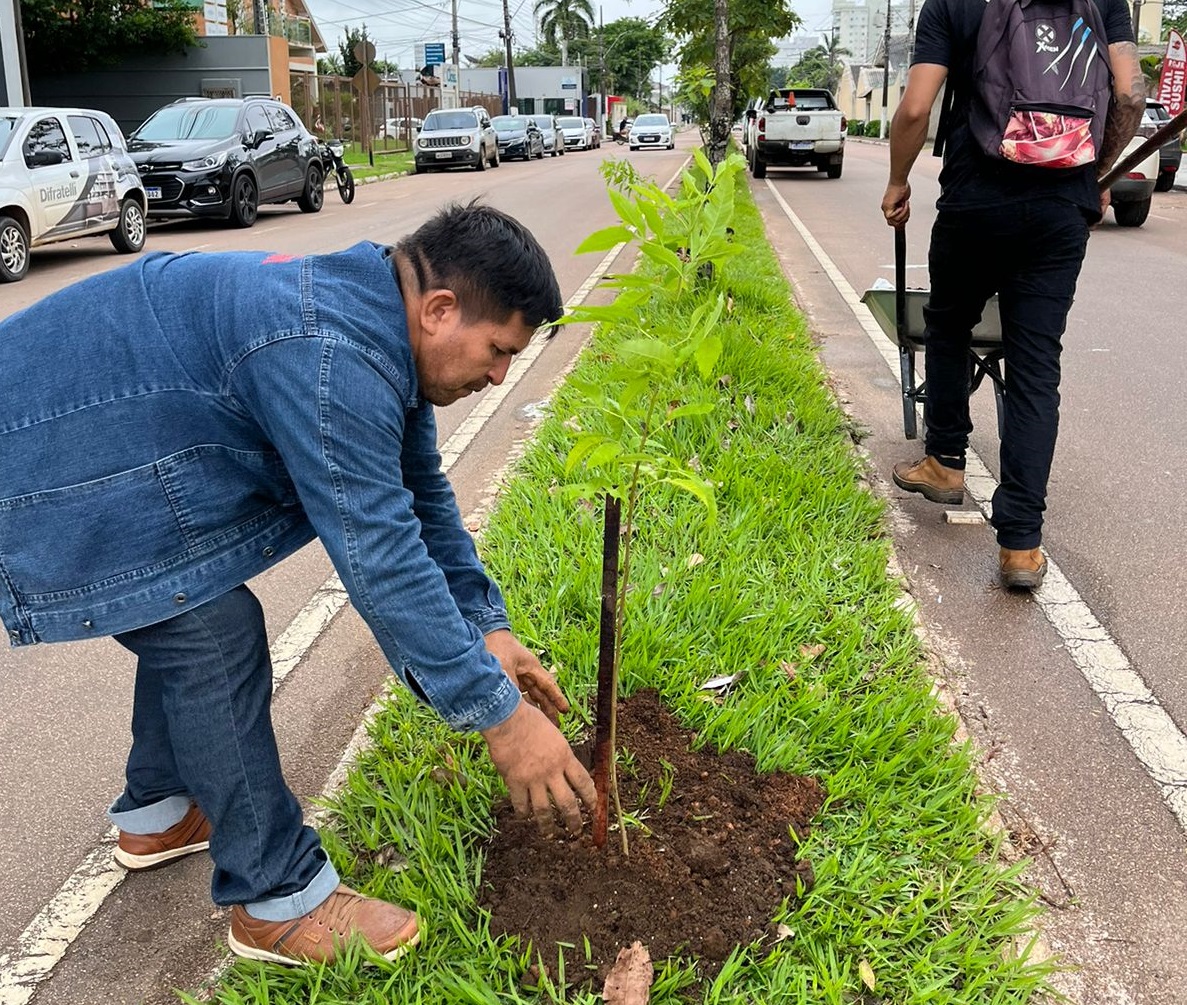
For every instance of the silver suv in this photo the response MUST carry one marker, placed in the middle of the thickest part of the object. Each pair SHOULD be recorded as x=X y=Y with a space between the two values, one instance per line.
x=450 y=137
x=64 y=173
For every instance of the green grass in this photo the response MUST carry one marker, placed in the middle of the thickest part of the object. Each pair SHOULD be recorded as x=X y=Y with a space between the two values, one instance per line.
x=907 y=880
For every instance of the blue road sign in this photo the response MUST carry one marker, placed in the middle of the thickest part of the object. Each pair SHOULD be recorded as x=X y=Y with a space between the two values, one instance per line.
x=434 y=53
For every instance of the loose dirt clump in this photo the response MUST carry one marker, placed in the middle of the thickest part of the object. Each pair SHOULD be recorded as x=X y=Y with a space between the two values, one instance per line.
x=707 y=874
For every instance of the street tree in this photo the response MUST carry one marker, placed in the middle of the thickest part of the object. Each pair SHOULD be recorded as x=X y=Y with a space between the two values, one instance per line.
x=733 y=38
x=820 y=67
x=630 y=48
x=84 y=35
x=350 y=62
x=561 y=21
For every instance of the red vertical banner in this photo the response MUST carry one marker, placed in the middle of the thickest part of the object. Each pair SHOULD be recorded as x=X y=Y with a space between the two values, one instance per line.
x=1172 y=83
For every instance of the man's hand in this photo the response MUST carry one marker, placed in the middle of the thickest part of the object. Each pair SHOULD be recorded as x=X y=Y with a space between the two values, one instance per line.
x=1106 y=200
x=896 y=204
x=521 y=665
x=540 y=770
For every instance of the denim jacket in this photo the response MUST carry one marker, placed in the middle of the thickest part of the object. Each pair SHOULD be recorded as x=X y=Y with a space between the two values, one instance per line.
x=172 y=428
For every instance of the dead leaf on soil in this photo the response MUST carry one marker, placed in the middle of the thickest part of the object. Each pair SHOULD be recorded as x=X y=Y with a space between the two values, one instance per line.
x=791 y=669
x=695 y=559
x=783 y=931
x=658 y=589
x=749 y=403
x=629 y=980
x=725 y=380
x=448 y=776
x=867 y=974
x=811 y=652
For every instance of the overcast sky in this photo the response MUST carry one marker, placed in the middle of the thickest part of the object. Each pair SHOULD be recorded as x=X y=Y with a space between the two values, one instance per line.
x=396 y=25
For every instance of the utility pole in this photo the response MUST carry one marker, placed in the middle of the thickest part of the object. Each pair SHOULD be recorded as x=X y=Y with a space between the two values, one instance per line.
x=457 y=61
x=602 y=73
x=1137 y=18
x=506 y=33
x=883 y=125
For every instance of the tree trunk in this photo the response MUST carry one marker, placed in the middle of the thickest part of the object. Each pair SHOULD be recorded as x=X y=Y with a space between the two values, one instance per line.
x=607 y=682
x=722 y=108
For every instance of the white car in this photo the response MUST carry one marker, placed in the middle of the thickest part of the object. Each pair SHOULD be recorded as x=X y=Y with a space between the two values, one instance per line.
x=577 y=135
x=64 y=173
x=651 y=131
x=1132 y=193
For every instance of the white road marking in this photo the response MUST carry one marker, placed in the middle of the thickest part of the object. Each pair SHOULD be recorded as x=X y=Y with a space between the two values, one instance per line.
x=1150 y=732
x=39 y=948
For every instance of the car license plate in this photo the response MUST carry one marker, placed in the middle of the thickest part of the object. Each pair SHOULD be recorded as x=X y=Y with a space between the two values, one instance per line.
x=152 y=191
x=443 y=155
x=801 y=144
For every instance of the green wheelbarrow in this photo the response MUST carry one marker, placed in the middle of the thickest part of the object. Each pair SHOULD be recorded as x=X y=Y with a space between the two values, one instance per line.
x=899 y=313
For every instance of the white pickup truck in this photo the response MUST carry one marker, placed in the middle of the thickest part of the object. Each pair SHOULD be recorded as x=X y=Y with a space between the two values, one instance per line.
x=795 y=127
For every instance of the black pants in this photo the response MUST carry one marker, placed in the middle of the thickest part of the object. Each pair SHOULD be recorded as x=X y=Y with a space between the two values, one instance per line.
x=1029 y=254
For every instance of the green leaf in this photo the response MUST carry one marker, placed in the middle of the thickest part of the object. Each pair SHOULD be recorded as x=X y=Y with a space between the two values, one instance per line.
x=698 y=488
x=627 y=211
x=585 y=445
x=662 y=256
x=618 y=312
x=707 y=353
x=697 y=408
x=649 y=350
x=603 y=455
x=702 y=162
x=605 y=239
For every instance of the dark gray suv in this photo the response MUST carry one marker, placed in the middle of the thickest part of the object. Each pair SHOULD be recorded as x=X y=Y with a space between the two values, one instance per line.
x=456 y=137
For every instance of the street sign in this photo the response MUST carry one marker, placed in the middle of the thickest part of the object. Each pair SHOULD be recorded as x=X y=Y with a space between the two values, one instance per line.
x=366 y=81
x=434 y=53
x=1173 y=82
x=364 y=52
x=568 y=83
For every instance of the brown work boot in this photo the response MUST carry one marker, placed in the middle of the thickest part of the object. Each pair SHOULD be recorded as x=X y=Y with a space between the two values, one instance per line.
x=317 y=937
x=143 y=851
x=930 y=478
x=1022 y=569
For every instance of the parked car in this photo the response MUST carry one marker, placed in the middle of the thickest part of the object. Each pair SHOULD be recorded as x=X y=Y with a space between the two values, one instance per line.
x=651 y=131
x=450 y=137
x=518 y=136
x=399 y=129
x=576 y=132
x=554 y=138
x=225 y=157
x=1132 y=194
x=595 y=134
x=1170 y=154
x=795 y=127
x=64 y=173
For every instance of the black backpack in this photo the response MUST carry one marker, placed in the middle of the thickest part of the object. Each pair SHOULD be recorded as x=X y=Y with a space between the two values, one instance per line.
x=1041 y=82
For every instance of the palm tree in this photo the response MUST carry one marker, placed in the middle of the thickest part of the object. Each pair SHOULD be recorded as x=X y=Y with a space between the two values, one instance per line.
x=562 y=20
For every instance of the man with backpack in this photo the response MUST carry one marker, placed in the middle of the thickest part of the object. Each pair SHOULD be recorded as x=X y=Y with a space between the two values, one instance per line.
x=1042 y=97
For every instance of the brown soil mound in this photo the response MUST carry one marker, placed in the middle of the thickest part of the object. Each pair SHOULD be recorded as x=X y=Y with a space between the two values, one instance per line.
x=707 y=875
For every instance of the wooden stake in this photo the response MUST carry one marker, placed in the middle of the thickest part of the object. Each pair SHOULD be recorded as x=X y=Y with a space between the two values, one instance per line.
x=607 y=685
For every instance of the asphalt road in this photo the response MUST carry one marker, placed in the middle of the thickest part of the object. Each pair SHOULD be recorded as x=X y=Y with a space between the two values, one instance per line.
x=64 y=728
x=1110 y=855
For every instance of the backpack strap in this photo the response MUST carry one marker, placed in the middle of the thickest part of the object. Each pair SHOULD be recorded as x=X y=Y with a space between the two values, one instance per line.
x=945 y=123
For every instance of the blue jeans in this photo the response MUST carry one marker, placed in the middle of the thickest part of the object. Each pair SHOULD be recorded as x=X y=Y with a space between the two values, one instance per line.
x=202 y=729
x=1029 y=254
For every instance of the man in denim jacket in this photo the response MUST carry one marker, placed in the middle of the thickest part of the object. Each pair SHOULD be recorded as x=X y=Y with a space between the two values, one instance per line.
x=216 y=413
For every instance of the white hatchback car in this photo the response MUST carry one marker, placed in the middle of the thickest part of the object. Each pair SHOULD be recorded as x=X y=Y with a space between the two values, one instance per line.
x=64 y=173
x=651 y=131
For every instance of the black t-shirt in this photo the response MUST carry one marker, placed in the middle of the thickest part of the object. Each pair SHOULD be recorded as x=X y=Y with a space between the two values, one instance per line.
x=947 y=36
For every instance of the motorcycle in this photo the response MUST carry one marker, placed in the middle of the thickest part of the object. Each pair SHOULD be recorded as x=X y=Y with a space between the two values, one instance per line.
x=332 y=154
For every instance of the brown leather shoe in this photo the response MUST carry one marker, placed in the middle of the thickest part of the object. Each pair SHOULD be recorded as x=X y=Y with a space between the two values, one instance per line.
x=143 y=851
x=1024 y=569
x=931 y=479
x=389 y=929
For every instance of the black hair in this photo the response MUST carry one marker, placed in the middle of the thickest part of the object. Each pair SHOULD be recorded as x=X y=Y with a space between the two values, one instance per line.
x=489 y=260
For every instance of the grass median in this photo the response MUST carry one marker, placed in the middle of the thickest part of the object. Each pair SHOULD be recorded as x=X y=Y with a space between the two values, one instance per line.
x=789 y=586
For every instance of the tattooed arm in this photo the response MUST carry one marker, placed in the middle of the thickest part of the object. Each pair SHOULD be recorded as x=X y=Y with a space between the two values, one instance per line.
x=1125 y=110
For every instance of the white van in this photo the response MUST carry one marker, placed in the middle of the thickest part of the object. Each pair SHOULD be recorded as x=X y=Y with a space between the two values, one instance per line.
x=64 y=173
